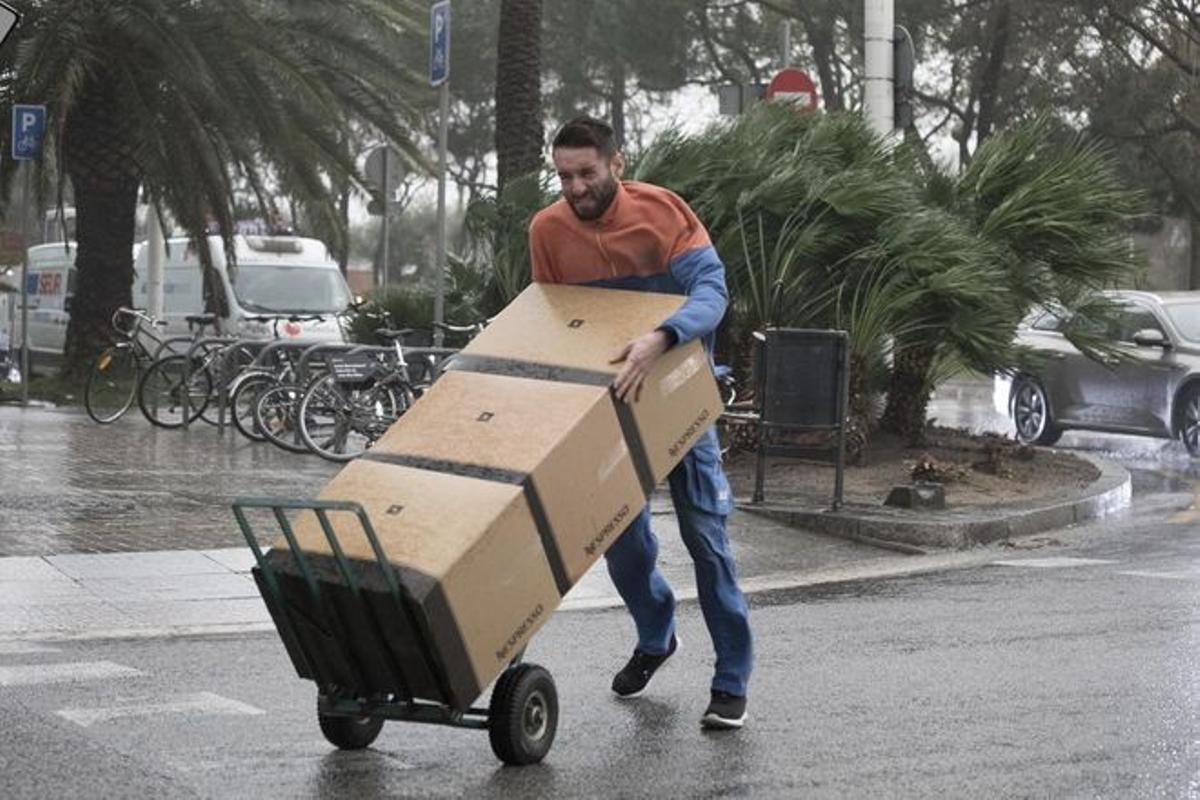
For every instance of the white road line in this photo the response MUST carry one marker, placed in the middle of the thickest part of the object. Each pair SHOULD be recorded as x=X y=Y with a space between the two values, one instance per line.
x=1176 y=575
x=24 y=648
x=1053 y=562
x=199 y=703
x=70 y=672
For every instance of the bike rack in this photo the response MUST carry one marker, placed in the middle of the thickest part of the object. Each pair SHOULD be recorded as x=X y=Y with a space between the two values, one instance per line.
x=222 y=391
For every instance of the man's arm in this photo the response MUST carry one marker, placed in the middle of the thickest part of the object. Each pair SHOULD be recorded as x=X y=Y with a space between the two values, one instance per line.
x=702 y=276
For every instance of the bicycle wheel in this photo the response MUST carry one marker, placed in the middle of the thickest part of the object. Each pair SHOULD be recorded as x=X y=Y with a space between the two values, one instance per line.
x=339 y=422
x=112 y=384
x=161 y=391
x=275 y=416
x=213 y=359
x=241 y=403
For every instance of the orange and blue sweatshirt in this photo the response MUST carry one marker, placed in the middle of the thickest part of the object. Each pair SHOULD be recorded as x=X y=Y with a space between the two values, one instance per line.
x=649 y=240
x=646 y=240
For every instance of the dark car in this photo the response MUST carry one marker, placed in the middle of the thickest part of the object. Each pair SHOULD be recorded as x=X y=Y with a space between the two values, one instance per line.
x=1155 y=391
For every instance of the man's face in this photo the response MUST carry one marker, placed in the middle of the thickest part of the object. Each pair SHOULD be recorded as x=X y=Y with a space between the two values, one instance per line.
x=589 y=181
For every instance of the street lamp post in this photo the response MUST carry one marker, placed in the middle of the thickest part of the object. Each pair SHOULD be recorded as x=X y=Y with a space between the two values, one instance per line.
x=878 y=97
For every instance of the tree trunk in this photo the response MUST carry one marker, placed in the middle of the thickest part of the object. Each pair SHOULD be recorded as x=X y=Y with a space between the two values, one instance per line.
x=908 y=393
x=821 y=38
x=858 y=413
x=343 y=256
x=519 y=90
x=616 y=102
x=999 y=29
x=99 y=159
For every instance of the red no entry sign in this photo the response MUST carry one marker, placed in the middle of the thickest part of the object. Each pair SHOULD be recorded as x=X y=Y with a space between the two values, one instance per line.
x=793 y=86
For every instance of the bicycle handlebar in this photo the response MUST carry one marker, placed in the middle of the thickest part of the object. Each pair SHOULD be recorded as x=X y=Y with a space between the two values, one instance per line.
x=474 y=327
x=135 y=313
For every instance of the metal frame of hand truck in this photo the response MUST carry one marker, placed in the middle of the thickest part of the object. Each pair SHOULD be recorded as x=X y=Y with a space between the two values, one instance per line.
x=334 y=700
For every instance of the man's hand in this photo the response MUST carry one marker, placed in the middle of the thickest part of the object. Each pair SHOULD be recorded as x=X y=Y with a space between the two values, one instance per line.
x=639 y=356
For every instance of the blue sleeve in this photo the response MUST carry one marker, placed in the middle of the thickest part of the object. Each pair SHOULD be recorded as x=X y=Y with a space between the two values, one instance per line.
x=702 y=276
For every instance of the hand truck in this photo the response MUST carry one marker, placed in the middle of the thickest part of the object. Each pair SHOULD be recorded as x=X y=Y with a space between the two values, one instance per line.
x=339 y=639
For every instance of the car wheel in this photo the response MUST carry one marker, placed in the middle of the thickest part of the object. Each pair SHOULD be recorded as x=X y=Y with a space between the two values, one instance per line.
x=1031 y=414
x=1189 y=419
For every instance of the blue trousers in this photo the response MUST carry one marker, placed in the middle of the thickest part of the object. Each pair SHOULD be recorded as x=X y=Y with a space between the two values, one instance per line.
x=700 y=494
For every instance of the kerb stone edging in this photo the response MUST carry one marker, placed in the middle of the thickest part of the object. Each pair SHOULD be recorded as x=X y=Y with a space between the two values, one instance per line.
x=915 y=530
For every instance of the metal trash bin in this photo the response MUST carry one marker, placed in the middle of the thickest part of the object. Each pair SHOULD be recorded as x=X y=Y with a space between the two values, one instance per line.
x=802 y=379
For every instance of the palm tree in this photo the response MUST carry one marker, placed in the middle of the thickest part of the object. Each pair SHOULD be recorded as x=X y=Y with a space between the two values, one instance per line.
x=1051 y=220
x=820 y=225
x=519 y=90
x=186 y=101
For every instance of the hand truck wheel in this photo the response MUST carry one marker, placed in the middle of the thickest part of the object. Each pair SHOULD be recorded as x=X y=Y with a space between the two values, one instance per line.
x=523 y=715
x=349 y=733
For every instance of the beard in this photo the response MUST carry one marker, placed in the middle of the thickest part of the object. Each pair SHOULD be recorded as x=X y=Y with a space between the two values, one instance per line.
x=592 y=205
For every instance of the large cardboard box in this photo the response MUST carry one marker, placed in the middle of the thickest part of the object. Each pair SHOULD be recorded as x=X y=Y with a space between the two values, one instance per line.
x=560 y=442
x=470 y=567
x=572 y=333
x=491 y=497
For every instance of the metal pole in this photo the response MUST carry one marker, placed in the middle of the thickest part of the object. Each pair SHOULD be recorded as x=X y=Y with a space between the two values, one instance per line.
x=25 y=329
x=25 y=304
x=878 y=17
x=439 y=297
x=787 y=44
x=384 y=277
x=154 y=262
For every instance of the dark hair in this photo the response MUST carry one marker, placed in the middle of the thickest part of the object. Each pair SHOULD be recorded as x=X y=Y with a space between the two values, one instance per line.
x=587 y=132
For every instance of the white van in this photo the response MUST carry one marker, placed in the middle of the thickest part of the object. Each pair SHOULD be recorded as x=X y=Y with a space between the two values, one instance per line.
x=51 y=283
x=272 y=275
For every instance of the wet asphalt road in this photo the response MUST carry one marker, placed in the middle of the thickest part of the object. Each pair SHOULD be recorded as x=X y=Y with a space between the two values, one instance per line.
x=1065 y=666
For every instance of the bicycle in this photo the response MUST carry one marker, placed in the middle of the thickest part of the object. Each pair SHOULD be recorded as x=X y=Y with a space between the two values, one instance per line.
x=113 y=381
x=344 y=411
x=737 y=427
x=259 y=375
x=276 y=405
x=161 y=388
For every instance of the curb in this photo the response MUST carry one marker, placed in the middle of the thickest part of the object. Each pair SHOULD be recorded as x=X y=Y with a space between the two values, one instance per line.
x=913 y=531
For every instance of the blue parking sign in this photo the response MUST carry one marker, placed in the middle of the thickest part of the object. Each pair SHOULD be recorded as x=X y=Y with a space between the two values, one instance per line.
x=439 y=43
x=28 y=127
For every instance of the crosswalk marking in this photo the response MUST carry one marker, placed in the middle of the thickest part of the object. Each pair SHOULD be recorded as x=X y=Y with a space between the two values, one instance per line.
x=70 y=672
x=24 y=648
x=199 y=703
x=1053 y=561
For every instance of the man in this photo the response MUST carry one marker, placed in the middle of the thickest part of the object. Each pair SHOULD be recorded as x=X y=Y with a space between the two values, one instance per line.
x=630 y=235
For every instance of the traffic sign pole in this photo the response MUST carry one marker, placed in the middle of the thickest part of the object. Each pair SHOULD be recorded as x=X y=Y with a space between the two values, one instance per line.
x=385 y=276
x=439 y=298
x=25 y=308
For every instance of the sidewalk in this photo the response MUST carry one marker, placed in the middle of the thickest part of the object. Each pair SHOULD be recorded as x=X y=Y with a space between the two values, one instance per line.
x=126 y=530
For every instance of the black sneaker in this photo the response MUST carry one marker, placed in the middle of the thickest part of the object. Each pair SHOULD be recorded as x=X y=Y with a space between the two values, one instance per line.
x=725 y=712
x=634 y=676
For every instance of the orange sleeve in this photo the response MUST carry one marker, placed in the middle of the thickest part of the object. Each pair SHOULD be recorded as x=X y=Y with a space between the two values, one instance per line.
x=540 y=260
x=692 y=233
